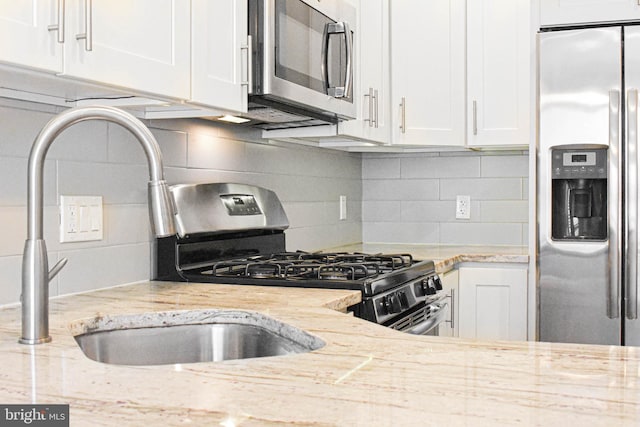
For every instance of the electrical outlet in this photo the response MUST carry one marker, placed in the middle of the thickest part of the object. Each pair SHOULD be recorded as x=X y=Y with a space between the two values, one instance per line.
x=463 y=207
x=343 y=208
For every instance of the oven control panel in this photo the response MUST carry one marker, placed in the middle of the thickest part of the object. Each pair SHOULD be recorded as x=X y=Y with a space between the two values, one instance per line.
x=391 y=303
x=240 y=204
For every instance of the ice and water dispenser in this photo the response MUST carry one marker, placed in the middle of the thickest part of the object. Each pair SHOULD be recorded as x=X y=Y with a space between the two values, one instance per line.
x=579 y=193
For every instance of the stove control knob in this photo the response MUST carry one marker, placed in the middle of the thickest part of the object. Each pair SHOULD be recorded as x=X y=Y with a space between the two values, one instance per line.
x=392 y=304
x=438 y=282
x=404 y=301
x=428 y=287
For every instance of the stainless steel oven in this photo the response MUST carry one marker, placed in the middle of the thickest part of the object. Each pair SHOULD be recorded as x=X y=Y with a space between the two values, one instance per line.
x=234 y=234
x=302 y=62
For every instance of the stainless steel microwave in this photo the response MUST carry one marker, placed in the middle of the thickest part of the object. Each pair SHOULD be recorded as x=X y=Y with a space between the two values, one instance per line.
x=302 y=62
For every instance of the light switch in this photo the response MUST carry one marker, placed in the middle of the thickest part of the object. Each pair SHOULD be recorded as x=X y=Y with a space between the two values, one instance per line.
x=80 y=218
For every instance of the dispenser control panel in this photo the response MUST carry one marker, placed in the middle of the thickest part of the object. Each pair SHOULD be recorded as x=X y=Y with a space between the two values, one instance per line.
x=579 y=163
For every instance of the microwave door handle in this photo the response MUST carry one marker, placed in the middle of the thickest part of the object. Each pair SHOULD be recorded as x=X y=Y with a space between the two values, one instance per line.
x=631 y=287
x=337 y=28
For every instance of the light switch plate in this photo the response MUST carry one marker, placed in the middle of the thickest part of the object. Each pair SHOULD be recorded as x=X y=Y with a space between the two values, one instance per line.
x=80 y=218
x=343 y=208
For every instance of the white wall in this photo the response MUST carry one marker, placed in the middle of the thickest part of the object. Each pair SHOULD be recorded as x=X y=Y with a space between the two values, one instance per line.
x=97 y=158
x=410 y=198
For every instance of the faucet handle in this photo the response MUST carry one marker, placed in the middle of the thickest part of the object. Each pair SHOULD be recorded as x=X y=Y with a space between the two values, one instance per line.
x=56 y=268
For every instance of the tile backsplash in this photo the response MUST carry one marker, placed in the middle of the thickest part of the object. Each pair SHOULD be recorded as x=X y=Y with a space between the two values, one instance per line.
x=411 y=198
x=99 y=158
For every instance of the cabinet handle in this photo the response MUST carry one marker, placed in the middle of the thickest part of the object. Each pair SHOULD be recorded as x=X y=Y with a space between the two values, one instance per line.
x=249 y=81
x=403 y=108
x=375 y=98
x=87 y=36
x=475 y=117
x=59 y=26
x=452 y=298
x=369 y=97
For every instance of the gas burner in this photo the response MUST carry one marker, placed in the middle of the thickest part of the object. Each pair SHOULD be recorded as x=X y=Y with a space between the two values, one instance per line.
x=263 y=270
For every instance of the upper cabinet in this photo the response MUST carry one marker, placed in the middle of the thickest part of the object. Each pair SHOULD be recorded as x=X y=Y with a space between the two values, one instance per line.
x=567 y=12
x=498 y=72
x=28 y=33
x=219 y=74
x=427 y=72
x=143 y=44
x=372 y=65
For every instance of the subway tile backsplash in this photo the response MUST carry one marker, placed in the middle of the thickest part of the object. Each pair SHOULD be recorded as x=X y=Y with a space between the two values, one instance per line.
x=410 y=198
x=391 y=198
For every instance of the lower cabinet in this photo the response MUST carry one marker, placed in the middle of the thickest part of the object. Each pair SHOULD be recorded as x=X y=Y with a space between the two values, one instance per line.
x=449 y=328
x=492 y=303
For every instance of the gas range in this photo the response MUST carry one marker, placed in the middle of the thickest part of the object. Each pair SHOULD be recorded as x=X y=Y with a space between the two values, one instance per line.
x=234 y=234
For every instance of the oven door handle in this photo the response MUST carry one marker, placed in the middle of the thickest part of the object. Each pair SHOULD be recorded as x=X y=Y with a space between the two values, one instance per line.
x=431 y=322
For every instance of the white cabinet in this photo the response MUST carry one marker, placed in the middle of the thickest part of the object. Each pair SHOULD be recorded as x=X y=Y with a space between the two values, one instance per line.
x=567 y=12
x=25 y=37
x=427 y=72
x=142 y=45
x=449 y=328
x=373 y=74
x=498 y=72
x=220 y=53
x=493 y=303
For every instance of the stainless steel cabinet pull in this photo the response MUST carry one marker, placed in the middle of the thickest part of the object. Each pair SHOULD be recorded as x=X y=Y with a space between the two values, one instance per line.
x=369 y=97
x=59 y=26
x=403 y=117
x=87 y=36
x=249 y=80
x=375 y=102
x=631 y=282
x=475 y=117
x=452 y=308
x=614 y=184
x=338 y=28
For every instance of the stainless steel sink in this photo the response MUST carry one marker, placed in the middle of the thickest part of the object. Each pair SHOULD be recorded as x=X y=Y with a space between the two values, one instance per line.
x=221 y=339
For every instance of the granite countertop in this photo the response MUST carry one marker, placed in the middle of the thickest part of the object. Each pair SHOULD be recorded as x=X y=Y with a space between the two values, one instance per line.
x=365 y=375
x=446 y=257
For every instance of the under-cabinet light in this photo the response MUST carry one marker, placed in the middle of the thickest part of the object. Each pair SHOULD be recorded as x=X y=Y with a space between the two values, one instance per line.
x=233 y=119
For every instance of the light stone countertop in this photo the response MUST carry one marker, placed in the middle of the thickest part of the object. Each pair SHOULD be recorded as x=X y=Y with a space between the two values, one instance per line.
x=366 y=375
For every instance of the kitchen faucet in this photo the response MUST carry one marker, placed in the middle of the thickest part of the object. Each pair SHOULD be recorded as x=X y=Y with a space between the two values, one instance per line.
x=35 y=266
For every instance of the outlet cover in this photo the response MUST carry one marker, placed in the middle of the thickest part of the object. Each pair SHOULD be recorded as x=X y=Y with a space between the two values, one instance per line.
x=343 y=208
x=80 y=218
x=463 y=207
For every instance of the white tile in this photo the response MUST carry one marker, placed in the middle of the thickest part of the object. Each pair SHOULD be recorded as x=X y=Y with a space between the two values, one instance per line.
x=210 y=152
x=474 y=233
x=10 y=279
x=310 y=214
x=413 y=189
x=482 y=189
x=125 y=148
x=103 y=267
x=409 y=233
x=13 y=175
x=504 y=211
x=375 y=168
x=85 y=141
x=13 y=230
x=18 y=130
x=441 y=167
x=381 y=211
x=434 y=211
x=505 y=166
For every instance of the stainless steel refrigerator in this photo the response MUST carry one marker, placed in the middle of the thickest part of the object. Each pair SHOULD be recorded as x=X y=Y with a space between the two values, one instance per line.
x=587 y=181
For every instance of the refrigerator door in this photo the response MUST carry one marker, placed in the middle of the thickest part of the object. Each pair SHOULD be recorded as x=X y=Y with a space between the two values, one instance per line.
x=579 y=281
x=632 y=86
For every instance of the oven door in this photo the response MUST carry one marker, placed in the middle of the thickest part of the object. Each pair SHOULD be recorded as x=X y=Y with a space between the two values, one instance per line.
x=424 y=321
x=304 y=52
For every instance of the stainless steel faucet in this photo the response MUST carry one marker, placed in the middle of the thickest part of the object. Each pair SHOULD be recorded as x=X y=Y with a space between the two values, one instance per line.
x=35 y=266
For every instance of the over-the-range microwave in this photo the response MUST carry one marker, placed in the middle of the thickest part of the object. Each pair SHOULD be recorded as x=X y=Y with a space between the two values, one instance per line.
x=302 y=62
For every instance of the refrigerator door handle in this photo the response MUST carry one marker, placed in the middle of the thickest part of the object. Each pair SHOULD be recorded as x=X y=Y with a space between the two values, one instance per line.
x=631 y=282
x=615 y=247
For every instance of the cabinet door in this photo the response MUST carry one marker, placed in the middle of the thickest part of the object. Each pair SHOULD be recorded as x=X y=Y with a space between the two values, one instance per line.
x=498 y=72
x=142 y=44
x=493 y=303
x=219 y=76
x=449 y=328
x=428 y=72
x=25 y=37
x=563 y=12
x=373 y=74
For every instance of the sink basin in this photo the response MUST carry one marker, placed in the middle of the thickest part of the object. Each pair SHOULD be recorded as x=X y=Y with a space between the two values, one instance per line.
x=207 y=336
